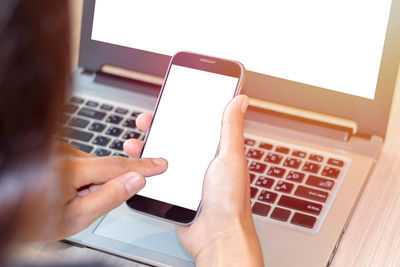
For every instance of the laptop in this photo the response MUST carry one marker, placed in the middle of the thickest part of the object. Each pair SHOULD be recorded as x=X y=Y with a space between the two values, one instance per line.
x=320 y=80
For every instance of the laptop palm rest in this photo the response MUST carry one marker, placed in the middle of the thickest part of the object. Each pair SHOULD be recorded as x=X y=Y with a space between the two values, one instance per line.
x=131 y=228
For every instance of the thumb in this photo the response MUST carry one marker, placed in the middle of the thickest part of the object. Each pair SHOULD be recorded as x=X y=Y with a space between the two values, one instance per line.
x=232 y=139
x=110 y=195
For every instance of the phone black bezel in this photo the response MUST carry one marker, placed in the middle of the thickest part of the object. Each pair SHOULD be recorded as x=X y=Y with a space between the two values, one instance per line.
x=165 y=210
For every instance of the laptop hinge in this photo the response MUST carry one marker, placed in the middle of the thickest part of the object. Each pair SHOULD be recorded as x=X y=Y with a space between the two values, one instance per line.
x=132 y=74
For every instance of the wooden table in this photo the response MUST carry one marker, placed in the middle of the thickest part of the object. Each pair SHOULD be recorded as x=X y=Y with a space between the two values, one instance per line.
x=372 y=237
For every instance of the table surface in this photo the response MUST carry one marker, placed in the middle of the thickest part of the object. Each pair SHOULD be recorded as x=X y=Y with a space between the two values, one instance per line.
x=372 y=237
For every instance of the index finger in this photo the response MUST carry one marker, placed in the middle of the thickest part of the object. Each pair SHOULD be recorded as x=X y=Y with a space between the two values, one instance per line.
x=143 y=121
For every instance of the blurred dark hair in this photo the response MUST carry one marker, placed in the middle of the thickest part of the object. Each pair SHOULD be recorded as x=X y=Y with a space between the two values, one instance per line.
x=34 y=67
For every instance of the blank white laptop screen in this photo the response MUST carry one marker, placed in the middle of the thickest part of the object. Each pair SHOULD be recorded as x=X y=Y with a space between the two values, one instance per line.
x=333 y=44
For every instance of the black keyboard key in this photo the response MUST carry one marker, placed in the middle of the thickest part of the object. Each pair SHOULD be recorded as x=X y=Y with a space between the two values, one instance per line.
x=320 y=182
x=106 y=107
x=78 y=122
x=311 y=193
x=70 y=108
x=292 y=163
x=280 y=214
x=120 y=155
x=282 y=149
x=63 y=118
x=257 y=167
x=97 y=127
x=114 y=119
x=298 y=153
x=253 y=192
x=121 y=110
x=260 y=209
x=92 y=104
x=118 y=145
x=114 y=131
x=135 y=114
x=100 y=152
x=130 y=123
x=276 y=172
x=311 y=167
x=295 y=176
x=265 y=182
x=252 y=177
x=77 y=134
x=284 y=187
x=300 y=205
x=267 y=196
x=84 y=148
x=335 y=162
x=317 y=158
x=77 y=100
x=101 y=140
x=91 y=113
x=273 y=158
x=249 y=142
x=131 y=135
x=254 y=153
x=303 y=220
x=265 y=146
x=330 y=172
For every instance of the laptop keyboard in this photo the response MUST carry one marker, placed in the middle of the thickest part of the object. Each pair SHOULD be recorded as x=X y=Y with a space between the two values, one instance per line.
x=290 y=185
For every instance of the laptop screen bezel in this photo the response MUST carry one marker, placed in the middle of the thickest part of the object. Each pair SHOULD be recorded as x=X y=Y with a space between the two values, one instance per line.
x=371 y=115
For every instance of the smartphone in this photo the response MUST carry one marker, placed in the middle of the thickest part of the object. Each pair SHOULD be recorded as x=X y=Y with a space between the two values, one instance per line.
x=185 y=130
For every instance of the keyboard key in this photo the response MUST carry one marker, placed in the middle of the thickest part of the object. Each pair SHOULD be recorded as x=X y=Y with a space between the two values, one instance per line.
x=130 y=135
x=118 y=145
x=253 y=192
x=267 y=196
x=317 y=158
x=284 y=187
x=273 y=158
x=303 y=220
x=311 y=193
x=70 y=108
x=97 y=127
x=280 y=214
x=252 y=177
x=265 y=146
x=320 y=182
x=257 y=167
x=276 y=172
x=114 y=119
x=114 y=131
x=249 y=142
x=130 y=123
x=78 y=122
x=260 y=209
x=91 y=113
x=84 y=148
x=135 y=114
x=101 y=140
x=92 y=104
x=282 y=149
x=292 y=163
x=330 y=172
x=63 y=118
x=77 y=134
x=121 y=110
x=335 y=162
x=298 y=153
x=254 y=153
x=106 y=107
x=295 y=176
x=100 y=152
x=311 y=167
x=77 y=100
x=265 y=182
x=300 y=205
x=120 y=155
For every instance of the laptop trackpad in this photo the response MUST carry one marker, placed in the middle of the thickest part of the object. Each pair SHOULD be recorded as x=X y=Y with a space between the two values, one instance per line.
x=129 y=227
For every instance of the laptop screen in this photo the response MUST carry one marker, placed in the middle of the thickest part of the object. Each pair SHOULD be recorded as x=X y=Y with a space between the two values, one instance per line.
x=333 y=44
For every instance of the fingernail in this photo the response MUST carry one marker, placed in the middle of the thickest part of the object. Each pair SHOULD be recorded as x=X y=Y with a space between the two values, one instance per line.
x=160 y=161
x=245 y=104
x=134 y=184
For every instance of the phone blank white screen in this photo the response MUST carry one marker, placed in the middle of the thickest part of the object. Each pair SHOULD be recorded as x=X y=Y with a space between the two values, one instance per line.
x=185 y=131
